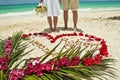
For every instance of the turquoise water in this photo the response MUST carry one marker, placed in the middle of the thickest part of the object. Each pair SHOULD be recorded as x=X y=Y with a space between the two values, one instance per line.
x=100 y=4
x=16 y=8
x=4 y=9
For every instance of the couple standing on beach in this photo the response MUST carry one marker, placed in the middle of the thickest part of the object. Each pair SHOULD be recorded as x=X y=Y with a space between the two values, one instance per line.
x=53 y=11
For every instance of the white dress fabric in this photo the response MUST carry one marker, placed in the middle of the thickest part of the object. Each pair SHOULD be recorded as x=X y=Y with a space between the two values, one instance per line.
x=53 y=7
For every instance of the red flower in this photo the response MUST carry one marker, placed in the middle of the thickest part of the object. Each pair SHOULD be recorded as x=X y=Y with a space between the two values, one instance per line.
x=45 y=34
x=88 y=61
x=86 y=35
x=81 y=34
x=52 y=41
x=29 y=34
x=97 y=59
x=74 y=34
x=92 y=36
x=68 y=34
x=98 y=39
x=103 y=49
x=25 y=36
x=36 y=34
x=50 y=37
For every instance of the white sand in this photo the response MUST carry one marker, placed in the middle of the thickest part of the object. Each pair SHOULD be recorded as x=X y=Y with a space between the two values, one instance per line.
x=94 y=23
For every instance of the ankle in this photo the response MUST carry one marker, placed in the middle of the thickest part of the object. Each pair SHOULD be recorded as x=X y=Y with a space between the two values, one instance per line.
x=75 y=30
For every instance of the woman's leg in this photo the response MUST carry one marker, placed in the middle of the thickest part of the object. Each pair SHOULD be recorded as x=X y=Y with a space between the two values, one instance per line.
x=55 y=20
x=50 y=23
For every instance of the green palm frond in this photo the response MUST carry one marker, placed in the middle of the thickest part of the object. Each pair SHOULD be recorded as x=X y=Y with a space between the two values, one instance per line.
x=48 y=54
x=18 y=50
x=31 y=77
x=2 y=50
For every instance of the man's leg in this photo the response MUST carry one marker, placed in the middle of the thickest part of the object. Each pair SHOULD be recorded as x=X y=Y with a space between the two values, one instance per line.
x=50 y=23
x=74 y=7
x=75 y=19
x=65 y=5
x=55 y=20
x=66 y=18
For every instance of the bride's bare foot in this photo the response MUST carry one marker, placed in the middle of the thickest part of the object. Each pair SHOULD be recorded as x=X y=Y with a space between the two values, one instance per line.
x=51 y=30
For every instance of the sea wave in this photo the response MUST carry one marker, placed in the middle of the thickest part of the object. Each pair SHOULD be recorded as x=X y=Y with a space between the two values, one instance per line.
x=27 y=13
x=12 y=14
x=99 y=9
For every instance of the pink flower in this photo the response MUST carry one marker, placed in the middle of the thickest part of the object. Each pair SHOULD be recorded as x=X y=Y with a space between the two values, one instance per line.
x=7 y=51
x=16 y=74
x=56 y=68
x=29 y=65
x=48 y=67
x=64 y=62
x=43 y=67
x=7 y=46
x=39 y=73
x=75 y=61
x=3 y=63
x=3 y=67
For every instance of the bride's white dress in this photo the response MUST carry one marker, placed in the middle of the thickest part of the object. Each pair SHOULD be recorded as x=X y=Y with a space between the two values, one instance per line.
x=53 y=7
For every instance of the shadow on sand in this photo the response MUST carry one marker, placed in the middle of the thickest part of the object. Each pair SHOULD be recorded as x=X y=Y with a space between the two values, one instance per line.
x=58 y=29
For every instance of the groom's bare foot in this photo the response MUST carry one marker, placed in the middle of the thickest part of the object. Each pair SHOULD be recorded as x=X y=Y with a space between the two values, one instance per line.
x=75 y=29
x=65 y=28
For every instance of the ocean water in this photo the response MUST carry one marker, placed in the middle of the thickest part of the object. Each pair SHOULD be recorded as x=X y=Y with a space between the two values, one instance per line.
x=20 y=9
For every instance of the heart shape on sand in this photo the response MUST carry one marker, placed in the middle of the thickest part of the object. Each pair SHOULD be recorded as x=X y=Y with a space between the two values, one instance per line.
x=44 y=42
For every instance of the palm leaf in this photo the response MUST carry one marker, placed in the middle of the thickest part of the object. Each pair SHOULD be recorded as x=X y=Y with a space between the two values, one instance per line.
x=48 y=54
x=31 y=77
x=58 y=76
x=2 y=75
x=43 y=77
x=50 y=76
x=2 y=49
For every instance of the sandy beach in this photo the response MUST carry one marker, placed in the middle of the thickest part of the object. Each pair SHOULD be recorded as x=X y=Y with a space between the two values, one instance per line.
x=105 y=25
